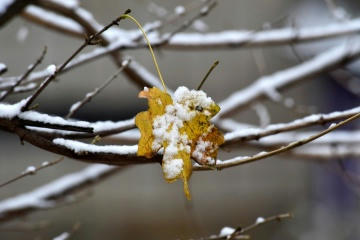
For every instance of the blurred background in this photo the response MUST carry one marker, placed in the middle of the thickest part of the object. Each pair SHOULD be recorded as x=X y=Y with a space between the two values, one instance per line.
x=137 y=203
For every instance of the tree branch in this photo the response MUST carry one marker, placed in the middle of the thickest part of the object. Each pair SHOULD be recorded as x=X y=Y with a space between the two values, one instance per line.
x=46 y=196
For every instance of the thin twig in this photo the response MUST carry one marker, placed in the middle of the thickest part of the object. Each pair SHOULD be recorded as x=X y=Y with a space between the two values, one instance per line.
x=91 y=40
x=76 y=106
x=207 y=74
x=260 y=221
x=25 y=75
x=67 y=235
x=204 y=11
x=263 y=155
x=238 y=233
x=247 y=134
x=31 y=170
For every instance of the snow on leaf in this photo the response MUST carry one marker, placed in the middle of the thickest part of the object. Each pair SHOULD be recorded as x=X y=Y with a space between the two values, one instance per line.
x=181 y=127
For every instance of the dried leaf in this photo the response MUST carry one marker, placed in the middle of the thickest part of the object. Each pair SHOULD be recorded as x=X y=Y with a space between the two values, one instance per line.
x=181 y=128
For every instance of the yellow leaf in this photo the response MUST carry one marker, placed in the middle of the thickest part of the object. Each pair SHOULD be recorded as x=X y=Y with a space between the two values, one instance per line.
x=181 y=128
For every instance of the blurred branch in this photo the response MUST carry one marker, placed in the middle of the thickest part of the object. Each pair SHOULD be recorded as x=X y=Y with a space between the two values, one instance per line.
x=91 y=40
x=31 y=170
x=247 y=134
x=46 y=196
x=268 y=85
x=9 y=9
x=53 y=21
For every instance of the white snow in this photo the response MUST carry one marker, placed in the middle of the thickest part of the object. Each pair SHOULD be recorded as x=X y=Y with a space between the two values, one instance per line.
x=75 y=106
x=63 y=236
x=39 y=198
x=30 y=169
x=10 y=111
x=4 y=4
x=225 y=231
x=239 y=37
x=173 y=168
x=166 y=127
x=260 y=220
x=51 y=69
x=44 y=163
x=80 y=147
x=45 y=118
x=200 y=26
x=22 y=34
x=179 y=10
x=285 y=77
x=107 y=125
x=67 y=3
x=309 y=120
x=56 y=19
x=2 y=67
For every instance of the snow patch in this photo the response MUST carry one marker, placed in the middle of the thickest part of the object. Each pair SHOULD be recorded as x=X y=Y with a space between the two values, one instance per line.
x=225 y=231
x=10 y=111
x=80 y=147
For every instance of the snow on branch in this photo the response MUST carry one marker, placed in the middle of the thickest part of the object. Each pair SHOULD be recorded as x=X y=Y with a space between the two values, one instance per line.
x=48 y=195
x=53 y=21
x=10 y=8
x=246 y=38
x=264 y=155
x=268 y=85
x=246 y=134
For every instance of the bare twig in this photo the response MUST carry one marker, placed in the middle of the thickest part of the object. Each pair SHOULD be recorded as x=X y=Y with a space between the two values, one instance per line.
x=204 y=11
x=76 y=106
x=10 y=9
x=91 y=40
x=268 y=85
x=26 y=74
x=238 y=233
x=31 y=170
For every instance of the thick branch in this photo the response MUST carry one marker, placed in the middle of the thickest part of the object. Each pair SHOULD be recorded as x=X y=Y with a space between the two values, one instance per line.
x=9 y=9
x=119 y=155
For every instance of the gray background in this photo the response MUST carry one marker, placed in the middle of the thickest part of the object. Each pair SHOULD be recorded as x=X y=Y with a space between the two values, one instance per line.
x=137 y=203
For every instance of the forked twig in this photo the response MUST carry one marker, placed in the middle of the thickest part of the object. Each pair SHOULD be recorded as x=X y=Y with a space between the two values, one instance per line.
x=243 y=160
x=238 y=233
x=25 y=75
x=91 y=40
x=31 y=170
x=76 y=106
